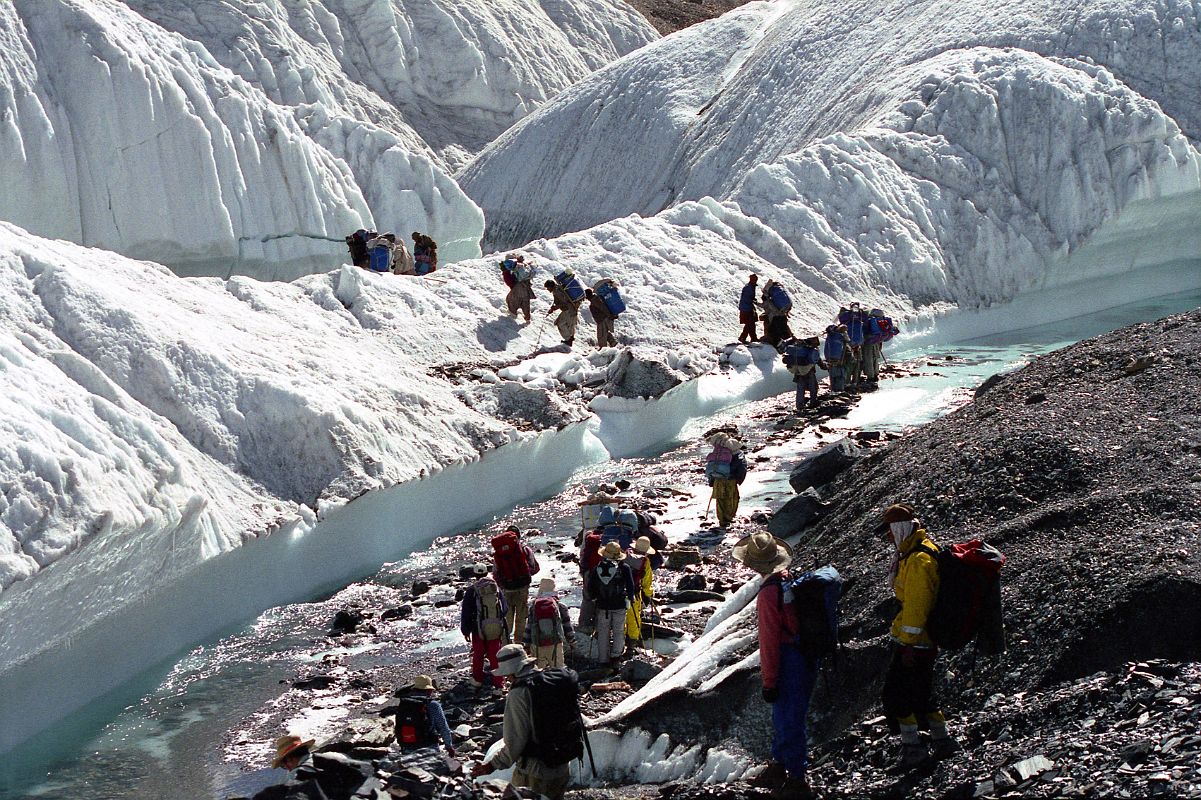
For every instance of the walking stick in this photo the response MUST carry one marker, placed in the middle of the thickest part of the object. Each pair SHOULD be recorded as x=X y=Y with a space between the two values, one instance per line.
x=712 y=494
x=588 y=746
x=541 y=328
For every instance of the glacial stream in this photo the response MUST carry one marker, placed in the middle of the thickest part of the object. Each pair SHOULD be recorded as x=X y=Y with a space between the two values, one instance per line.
x=173 y=731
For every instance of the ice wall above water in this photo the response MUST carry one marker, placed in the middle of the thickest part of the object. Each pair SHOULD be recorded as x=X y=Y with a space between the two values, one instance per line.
x=250 y=139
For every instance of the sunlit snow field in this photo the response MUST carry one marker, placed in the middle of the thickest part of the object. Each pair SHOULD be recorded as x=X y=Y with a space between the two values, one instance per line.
x=165 y=728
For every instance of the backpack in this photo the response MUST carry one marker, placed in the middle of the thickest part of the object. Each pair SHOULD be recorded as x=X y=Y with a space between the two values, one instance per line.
x=558 y=728
x=611 y=590
x=812 y=599
x=489 y=613
x=800 y=359
x=413 y=722
x=637 y=564
x=608 y=515
x=381 y=259
x=548 y=624
x=606 y=290
x=569 y=283
x=512 y=566
x=357 y=244
x=621 y=530
x=968 y=605
x=738 y=468
x=717 y=470
x=835 y=346
x=779 y=297
x=722 y=454
x=522 y=271
x=592 y=545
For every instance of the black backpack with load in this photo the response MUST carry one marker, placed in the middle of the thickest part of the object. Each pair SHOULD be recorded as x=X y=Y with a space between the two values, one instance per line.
x=558 y=727
x=968 y=605
x=812 y=600
x=413 y=721
x=357 y=244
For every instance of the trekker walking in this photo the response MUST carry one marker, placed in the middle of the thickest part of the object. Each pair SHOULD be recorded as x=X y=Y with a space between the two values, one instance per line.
x=357 y=244
x=425 y=254
x=908 y=694
x=638 y=558
x=381 y=252
x=543 y=730
x=604 y=319
x=517 y=274
x=569 y=312
x=835 y=352
x=856 y=324
x=788 y=674
x=420 y=720
x=612 y=586
x=589 y=557
x=802 y=359
x=549 y=634
x=776 y=306
x=748 y=310
x=878 y=331
x=513 y=567
x=482 y=623
x=725 y=468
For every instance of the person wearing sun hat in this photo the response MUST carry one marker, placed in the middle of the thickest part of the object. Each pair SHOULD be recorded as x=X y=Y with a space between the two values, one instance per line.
x=909 y=684
x=548 y=633
x=611 y=585
x=291 y=751
x=523 y=745
x=788 y=675
x=638 y=558
x=420 y=717
x=335 y=776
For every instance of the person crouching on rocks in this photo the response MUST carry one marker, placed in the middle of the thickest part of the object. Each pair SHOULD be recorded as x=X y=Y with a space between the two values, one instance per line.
x=548 y=633
x=420 y=720
x=543 y=730
x=788 y=675
x=908 y=694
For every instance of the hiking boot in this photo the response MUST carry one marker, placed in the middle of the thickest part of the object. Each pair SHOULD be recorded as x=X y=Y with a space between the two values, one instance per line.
x=912 y=755
x=474 y=683
x=943 y=747
x=771 y=777
x=793 y=789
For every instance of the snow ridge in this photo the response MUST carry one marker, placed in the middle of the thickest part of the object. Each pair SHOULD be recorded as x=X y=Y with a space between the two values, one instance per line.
x=222 y=138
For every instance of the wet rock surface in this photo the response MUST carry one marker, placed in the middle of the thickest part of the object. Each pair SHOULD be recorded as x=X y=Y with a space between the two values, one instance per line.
x=1087 y=490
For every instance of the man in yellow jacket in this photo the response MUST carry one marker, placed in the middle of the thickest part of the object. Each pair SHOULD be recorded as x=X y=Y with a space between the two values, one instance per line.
x=908 y=695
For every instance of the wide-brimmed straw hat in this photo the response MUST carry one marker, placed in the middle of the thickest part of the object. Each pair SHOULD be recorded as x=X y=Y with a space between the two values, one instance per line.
x=423 y=682
x=546 y=586
x=510 y=659
x=612 y=551
x=643 y=546
x=284 y=746
x=763 y=553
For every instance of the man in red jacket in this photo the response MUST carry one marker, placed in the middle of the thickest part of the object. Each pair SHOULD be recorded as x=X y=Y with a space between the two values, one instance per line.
x=788 y=675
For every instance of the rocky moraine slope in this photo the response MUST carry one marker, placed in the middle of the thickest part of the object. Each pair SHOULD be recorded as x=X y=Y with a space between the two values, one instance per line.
x=1084 y=467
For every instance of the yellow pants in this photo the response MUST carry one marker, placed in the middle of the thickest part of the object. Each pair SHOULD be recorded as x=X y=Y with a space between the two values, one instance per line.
x=725 y=493
x=634 y=619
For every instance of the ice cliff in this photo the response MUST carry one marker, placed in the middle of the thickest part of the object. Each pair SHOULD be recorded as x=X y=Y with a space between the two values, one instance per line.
x=225 y=138
x=942 y=153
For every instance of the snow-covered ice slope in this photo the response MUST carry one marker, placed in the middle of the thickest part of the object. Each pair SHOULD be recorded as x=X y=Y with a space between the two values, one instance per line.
x=250 y=138
x=698 y=112
x=449 y=75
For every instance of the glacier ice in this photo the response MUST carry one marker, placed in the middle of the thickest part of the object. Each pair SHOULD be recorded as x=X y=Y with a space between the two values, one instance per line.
x=222 y=138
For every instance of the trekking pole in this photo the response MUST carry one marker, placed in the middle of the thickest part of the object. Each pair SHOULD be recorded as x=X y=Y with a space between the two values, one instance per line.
x=588 y=747
x=541 y=328
x=712 y=494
